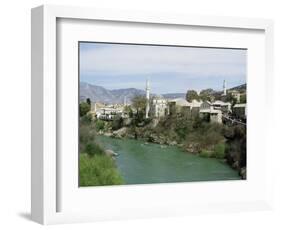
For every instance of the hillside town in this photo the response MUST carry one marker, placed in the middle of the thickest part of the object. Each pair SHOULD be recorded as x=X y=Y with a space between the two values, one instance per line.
x=214 y=110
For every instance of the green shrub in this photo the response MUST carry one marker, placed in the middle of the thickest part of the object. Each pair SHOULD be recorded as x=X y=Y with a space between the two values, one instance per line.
x=205 y=135
x=98 y=170
x=87 y=134
x=219 y=151
x=117 y=122
x=84 y=108
x=206 y=153
x=86 y=119
x=100 y=125
x=93 y=149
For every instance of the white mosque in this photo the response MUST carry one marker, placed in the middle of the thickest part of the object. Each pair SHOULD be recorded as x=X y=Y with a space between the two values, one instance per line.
x=157 y=107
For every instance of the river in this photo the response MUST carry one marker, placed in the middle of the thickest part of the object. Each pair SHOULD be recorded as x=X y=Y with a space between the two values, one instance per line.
x=145 y=163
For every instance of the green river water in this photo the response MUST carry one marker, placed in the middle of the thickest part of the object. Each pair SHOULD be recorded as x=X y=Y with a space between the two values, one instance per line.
x=144 y=163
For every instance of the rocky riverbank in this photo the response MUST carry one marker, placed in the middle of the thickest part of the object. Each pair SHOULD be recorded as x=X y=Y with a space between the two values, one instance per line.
x=148 y=136
x=232 y=156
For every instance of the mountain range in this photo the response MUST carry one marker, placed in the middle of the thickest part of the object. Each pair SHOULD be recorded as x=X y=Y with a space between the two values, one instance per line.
x=116 y=96
x=100 y=94
x=240 y=88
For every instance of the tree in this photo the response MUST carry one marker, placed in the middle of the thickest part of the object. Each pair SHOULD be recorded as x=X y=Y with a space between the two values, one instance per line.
x=84 y=108
x=139 y=103
x=191 y=95
x=230 y=98
x=243 y=98
x=100 y=125
x=88 y=101
x=207 y=95
x=117 y=122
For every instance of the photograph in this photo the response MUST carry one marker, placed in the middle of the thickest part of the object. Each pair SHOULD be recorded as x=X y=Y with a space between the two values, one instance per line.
x=151 y=113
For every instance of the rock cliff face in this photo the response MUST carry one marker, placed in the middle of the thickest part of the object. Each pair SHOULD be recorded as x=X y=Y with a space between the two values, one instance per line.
x=120 y=132
x=236 y=151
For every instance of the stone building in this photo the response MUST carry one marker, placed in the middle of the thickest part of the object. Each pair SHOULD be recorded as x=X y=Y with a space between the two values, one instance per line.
x=211 y=111
x=240 y=111
x=159 y=107
x=195 y=107
x=175 y=106
x=216 y=116
x=225 y=107
x=181 y=107
x=236 y=94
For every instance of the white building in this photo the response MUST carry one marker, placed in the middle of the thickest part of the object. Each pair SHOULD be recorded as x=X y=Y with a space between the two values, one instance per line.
x=216 y=116
x=225 y=107
x=236 y=94
x=208 y=111
x=206 y=106
x=159 y=107
x=213 y=111
x=181 y=106
x=182 y=102
x=109 y=112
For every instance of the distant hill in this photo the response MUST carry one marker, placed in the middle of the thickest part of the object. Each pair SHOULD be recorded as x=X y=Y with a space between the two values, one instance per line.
x=100 y=94
x=129 y=93
x=173 y=95
x=240 y=87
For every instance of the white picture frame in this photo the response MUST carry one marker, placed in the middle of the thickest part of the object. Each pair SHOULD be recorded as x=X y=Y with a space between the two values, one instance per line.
x=46 y=181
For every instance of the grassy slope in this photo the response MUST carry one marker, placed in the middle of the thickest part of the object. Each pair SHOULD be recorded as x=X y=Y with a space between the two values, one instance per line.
x=98 y=170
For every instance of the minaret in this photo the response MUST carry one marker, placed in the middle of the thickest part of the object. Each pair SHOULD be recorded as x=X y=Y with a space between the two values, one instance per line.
x=224 y=88
x=95 y=107
x=147 y=89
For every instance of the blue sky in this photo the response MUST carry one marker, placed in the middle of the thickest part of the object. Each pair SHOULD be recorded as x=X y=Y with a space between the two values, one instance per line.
x=170 y=69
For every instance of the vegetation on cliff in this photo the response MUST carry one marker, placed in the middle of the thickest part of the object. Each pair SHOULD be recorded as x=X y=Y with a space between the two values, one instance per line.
x=195 y=135
x=95 y=167
x=98 y=170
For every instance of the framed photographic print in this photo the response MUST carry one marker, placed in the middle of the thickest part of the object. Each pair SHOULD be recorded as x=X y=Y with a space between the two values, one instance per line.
x=139 y=114
x=179 y=123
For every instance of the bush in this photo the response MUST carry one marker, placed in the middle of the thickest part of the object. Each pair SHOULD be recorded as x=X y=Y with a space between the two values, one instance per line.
x=100 y=125
x=86 y=119
x=98 y=170
x=93 y=149
x=205 y=135
x=147 y=121
x=236 y=145
x=87 y=135
x=219 y=151
x=84 y=108
x=206 y=153
x=117 y=122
